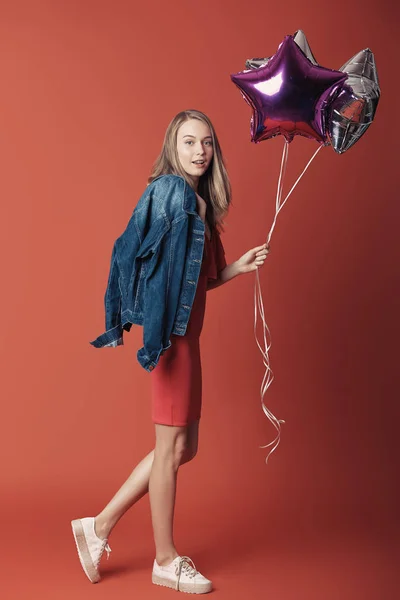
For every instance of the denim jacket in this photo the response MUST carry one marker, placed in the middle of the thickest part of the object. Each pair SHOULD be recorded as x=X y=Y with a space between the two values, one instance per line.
x=155 y=267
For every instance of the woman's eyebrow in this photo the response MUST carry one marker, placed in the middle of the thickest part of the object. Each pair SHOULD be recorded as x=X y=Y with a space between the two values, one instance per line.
x=188 y=135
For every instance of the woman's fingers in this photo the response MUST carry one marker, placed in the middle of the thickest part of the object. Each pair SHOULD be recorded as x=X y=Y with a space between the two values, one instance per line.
x=261 y=255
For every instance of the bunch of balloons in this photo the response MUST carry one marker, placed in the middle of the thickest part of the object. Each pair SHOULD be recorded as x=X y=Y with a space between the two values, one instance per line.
x=291 y=94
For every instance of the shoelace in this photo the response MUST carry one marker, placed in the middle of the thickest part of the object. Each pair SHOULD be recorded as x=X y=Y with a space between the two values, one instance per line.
x=108 y=550
x=184 y=565
x=105 y=547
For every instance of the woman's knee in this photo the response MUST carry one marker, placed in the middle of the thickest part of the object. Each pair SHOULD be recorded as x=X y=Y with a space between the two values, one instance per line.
x=192 y=441
x=188 y=455
x=171 y=444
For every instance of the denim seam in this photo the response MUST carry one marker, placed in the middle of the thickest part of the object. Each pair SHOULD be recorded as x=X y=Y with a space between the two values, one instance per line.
x=137 y=295
x=137 y=228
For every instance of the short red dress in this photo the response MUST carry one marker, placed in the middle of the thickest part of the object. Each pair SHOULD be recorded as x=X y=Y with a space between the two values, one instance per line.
x=176 y=381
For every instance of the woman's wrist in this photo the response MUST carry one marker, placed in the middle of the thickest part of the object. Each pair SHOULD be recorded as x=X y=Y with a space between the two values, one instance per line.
x=236 y=268
x=230 y=271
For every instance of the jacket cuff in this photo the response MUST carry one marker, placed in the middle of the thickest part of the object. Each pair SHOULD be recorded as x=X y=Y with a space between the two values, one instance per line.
x=145 y=360
x=118 y=342
x=111 y=337
x=150 y=362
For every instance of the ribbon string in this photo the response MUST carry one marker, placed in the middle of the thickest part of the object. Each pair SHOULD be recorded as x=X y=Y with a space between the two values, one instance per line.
x=258 y=300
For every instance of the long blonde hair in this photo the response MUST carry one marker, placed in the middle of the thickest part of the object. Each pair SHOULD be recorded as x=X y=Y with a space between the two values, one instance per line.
x=214 y=185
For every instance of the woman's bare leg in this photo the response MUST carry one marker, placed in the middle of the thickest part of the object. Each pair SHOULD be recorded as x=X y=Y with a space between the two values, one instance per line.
x=137 y=485
x=134 y=488
x=171 y=445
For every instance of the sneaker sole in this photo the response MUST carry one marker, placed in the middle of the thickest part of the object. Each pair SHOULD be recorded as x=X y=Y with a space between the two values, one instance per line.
x=183 y=587
x=83 y=552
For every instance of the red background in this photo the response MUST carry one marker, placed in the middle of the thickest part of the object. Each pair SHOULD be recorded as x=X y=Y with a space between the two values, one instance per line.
x=88 y=89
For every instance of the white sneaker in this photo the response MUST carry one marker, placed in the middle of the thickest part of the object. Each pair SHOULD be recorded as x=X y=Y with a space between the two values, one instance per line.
x=181 y=576
x=90 y=547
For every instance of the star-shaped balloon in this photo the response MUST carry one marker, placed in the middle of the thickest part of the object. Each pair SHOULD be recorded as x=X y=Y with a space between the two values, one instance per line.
x=290 y=95
x=299 y=37
x=353 y=111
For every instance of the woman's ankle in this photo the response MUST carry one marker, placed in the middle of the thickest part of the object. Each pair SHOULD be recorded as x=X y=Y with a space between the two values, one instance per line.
x=102 y=528
x=165 y=559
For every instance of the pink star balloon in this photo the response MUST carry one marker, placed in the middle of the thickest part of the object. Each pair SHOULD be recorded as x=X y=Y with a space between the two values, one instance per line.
x=289 y=95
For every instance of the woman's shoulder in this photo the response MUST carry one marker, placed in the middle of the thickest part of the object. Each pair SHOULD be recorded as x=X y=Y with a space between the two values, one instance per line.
x=162 y=189
x=166 y=181
x=166 y=193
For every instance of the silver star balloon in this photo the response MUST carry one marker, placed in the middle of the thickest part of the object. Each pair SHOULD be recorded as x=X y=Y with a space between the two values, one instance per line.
x=301 y=41
x=353 y=110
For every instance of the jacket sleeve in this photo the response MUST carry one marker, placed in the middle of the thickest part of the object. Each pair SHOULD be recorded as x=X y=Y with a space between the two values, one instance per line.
x=112 y=297
x=162 y=287
x=112 y=301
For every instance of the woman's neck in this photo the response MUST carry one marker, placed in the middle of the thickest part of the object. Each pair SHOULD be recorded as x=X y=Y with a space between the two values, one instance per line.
x=195 y=183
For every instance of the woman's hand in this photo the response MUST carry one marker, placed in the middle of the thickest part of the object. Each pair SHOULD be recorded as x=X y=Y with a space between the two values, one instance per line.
x=253 y=259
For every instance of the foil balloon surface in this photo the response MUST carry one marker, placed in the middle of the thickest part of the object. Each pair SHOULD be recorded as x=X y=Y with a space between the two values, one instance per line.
x=300 y=39
x=353 y=111
x=289 y=95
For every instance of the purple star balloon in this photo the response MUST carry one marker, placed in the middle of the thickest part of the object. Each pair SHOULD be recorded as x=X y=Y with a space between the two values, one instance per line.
x=290 y=95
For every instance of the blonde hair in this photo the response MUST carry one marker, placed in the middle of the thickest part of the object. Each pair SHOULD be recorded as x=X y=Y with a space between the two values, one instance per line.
x=214 y=185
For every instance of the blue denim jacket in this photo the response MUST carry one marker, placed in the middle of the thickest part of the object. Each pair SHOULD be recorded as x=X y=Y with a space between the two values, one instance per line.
x=155 y=267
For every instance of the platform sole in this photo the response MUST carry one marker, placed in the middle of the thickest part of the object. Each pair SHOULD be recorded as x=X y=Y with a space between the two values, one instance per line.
x=83 y=552
x=183 y=587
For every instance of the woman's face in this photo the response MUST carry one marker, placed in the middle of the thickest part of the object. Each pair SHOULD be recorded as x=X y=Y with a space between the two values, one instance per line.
x=194 y=143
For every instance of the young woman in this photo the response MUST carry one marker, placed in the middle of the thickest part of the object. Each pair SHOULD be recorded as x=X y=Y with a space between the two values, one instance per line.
x=191 y=150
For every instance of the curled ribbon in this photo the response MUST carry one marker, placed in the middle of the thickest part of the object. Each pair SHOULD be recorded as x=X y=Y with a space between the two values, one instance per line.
x=258 y=301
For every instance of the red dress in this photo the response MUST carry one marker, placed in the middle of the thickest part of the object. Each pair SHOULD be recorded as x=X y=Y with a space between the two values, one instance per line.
x=176 y=381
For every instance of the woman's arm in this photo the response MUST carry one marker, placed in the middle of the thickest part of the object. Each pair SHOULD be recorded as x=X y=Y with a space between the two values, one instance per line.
x=250 y=261
x=225 y=275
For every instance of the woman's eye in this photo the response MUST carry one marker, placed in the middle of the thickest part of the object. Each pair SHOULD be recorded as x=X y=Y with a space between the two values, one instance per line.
x=191 y=142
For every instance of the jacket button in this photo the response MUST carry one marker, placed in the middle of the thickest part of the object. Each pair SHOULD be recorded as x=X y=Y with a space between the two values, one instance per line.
x=151 y=367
